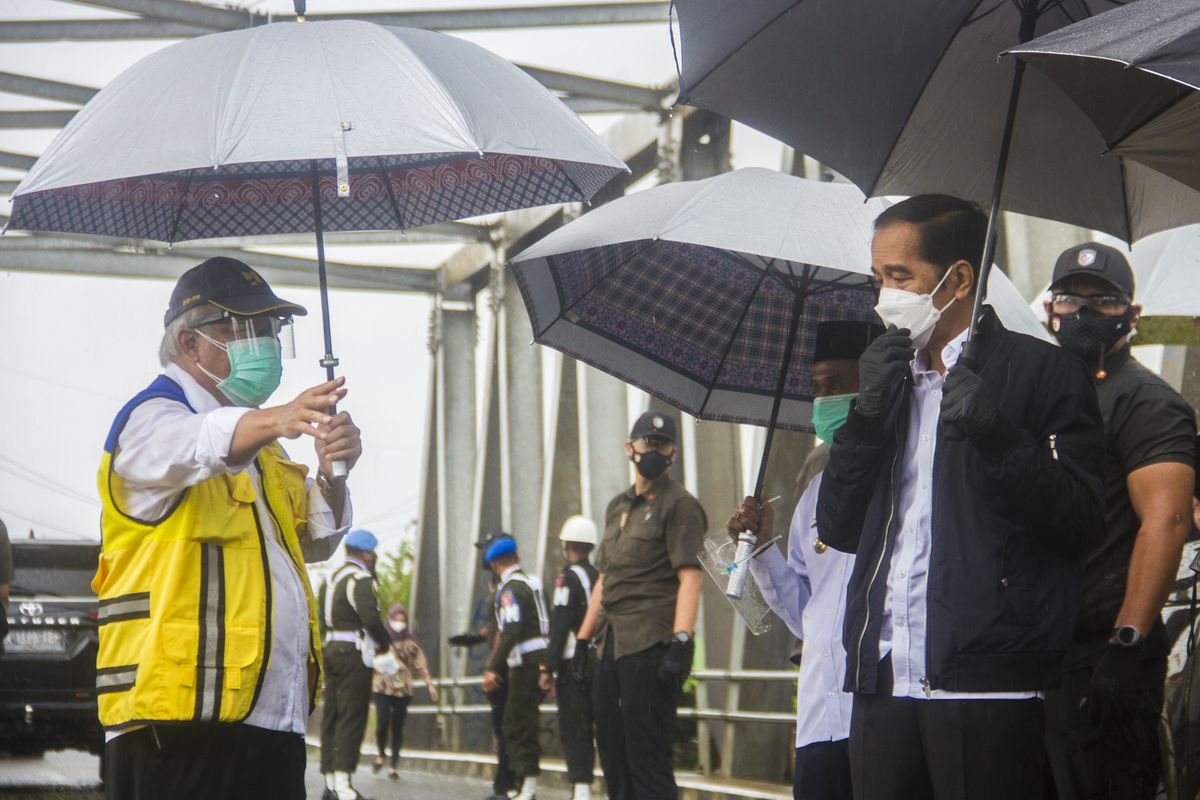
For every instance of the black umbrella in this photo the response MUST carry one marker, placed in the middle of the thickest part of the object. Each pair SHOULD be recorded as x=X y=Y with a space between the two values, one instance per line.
x=908 y=97
x=1135 y=72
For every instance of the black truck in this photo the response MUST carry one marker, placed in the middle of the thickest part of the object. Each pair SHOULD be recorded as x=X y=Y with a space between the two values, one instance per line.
x=48 y=665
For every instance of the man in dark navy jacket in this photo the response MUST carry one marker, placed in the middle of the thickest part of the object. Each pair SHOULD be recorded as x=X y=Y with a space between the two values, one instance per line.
x=969 y=492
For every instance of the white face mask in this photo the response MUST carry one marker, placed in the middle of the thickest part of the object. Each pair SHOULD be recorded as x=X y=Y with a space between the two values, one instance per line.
x=913 y=311
x=398 y=625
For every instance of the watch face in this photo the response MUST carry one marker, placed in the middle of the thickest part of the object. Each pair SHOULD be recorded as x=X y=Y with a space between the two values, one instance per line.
x=1128 y=635
x=682 y=637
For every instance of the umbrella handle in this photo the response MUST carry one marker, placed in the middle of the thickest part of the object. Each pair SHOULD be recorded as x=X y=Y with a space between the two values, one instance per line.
x=338 y=470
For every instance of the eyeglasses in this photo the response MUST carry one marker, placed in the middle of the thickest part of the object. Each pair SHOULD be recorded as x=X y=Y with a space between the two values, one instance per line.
x=245 y=327
x=1103 y=303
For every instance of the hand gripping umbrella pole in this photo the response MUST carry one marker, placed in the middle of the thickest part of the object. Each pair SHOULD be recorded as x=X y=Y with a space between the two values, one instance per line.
x=746 y=539
x=970 y=352
x=328 y=361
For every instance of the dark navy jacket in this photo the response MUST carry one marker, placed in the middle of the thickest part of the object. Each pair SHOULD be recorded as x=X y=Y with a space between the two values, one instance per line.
x=1012 y=518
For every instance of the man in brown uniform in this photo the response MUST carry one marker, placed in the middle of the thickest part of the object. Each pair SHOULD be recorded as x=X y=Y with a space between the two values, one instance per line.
x=649 y=589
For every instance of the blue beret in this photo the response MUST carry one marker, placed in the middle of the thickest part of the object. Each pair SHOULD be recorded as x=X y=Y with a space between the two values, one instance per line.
x=501 y=547
x=361 y=540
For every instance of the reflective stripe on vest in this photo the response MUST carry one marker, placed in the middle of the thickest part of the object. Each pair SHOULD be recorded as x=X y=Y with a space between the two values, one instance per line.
x=534 y=643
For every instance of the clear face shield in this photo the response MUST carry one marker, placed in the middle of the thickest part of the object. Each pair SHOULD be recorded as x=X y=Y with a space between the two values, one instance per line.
x=254 y=334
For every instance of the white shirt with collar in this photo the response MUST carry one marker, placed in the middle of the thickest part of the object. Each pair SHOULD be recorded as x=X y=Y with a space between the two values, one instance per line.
x=808 y=592
x=165 y=448
x=904 y=630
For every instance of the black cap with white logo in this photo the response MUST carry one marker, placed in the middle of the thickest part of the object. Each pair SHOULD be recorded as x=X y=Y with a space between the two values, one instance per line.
x=654 y=423
x=1092 y=258
x=229 y=285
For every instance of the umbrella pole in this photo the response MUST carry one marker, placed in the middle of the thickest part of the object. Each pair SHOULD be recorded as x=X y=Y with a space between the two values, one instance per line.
x=1029 y=18
x=797 y=307
x=329 y=361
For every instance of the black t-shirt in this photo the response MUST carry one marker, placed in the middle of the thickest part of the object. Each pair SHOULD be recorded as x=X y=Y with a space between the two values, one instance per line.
x=1145 y=422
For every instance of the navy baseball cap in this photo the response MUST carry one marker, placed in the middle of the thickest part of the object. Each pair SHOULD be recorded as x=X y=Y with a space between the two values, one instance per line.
x=231 y=286
x=1092 y=258
x=654 y=423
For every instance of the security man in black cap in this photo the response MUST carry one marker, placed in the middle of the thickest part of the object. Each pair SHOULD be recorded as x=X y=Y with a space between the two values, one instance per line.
x=1102 y=725
x=649 y=590
x=354 y=633
x=524 y=625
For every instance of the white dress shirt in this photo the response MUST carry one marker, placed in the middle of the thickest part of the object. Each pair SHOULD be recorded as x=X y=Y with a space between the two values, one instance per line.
x=164 y=449
x=904 y=628
x=808 y=592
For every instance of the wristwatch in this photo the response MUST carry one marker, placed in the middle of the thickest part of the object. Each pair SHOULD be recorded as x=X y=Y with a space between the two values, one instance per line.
x=682 y=637
x=1128 y=636
x=324 y=486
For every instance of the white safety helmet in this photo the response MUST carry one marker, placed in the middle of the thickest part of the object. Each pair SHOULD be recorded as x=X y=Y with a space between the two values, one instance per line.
x=579 y=529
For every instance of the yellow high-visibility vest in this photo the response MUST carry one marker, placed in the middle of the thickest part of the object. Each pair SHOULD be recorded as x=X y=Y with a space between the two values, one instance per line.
x=185 y=601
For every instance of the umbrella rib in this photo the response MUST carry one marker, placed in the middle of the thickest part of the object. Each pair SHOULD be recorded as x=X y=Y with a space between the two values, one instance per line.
x=912 y=108
x=564 y=311
x=739 y=48
x=1125 y=202
x=762 y=276
x=387 y=183
x=583 y=197
x=1151 y=117
x=187 y=191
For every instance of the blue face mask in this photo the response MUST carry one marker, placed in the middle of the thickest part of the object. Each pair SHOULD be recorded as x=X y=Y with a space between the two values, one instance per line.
x=829 y=414
x=255 y=369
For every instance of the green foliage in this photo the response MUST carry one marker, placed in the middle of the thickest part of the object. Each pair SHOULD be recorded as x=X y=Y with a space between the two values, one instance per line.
x=395 y=575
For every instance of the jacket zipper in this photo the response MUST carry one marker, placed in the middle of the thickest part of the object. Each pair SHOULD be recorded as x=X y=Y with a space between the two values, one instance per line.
x=878 y=564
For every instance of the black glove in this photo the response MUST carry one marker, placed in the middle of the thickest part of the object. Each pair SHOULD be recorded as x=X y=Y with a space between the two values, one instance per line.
x=967 y=403
x=579 y=662
x=1112 y=695
x=676 y=664
x=881 y=367
x=466 y=639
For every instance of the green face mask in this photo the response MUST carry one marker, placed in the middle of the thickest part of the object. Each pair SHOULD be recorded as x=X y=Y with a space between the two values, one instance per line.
x=829 y=414
x=255 y=369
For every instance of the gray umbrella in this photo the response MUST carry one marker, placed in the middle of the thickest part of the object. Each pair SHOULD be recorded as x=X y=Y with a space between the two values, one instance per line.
x=1135 y=72
x=909 y=97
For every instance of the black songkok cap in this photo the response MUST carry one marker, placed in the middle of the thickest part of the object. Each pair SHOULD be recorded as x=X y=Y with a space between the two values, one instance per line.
x=843 y=340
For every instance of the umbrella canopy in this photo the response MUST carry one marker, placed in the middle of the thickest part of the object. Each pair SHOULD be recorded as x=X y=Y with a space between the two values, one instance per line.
x=1135 y=72
x=693 y=291
x=908 y=97
x=222 y=135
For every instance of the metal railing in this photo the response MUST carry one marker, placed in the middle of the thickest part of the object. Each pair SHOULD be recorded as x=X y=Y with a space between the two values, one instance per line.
x=456 y=706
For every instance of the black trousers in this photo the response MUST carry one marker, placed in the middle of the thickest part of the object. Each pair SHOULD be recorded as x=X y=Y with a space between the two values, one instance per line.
x=907 y=749
x=822 y=771
x=504 y=779
x=203 y=762
x=344 y=715
x=1120 y=760
x=635 y=722
x=521 y=726
x=390 y=713
x=575 y=730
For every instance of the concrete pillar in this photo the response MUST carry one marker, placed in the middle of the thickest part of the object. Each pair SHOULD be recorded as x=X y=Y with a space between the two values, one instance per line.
x=604 y=423
x=561 y=490
x=521 y=419
x=1029 y=247
x=425 y=605
x=456 y=461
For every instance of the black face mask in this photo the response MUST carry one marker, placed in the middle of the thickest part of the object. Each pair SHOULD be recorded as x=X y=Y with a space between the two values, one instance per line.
x=1089 y=334
x=651 y=464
